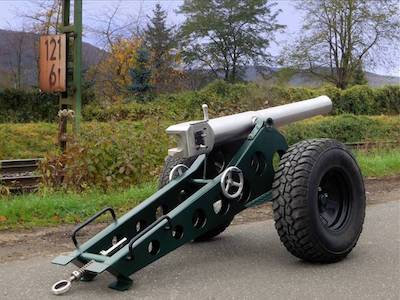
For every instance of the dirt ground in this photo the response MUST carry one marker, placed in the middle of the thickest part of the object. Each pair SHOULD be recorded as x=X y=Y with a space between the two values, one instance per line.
x=23 y=244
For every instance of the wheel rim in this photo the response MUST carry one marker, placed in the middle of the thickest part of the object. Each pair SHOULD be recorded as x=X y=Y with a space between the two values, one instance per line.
x=334 y=200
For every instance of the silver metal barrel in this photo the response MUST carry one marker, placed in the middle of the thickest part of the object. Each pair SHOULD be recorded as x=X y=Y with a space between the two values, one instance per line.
x=239 y=125
x=229 y=128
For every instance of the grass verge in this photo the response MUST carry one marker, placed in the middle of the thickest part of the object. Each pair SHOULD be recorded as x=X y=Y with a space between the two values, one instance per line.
x=55 y=208
x=379 y=162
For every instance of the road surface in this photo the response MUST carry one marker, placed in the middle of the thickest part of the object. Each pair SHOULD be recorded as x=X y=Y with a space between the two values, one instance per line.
x=245 y=262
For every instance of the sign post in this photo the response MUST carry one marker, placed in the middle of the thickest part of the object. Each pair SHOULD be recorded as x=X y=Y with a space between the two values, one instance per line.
x=60 y=67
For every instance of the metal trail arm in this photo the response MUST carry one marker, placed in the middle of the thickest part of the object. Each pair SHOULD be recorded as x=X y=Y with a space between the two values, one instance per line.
x=188 y=215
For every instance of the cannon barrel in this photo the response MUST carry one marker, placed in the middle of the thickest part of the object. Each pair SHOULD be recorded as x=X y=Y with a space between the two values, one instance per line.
x=239 y=125
x=200 y=137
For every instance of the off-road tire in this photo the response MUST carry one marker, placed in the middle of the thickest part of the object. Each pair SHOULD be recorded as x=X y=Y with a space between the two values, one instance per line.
x=170 y=163
x=307 y=227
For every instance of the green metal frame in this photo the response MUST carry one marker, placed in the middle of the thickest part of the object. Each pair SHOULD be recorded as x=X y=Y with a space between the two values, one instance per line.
x=188 y=205
x=73 y=96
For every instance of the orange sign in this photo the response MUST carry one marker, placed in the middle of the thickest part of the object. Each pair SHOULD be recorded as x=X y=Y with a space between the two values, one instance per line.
x=53 y=63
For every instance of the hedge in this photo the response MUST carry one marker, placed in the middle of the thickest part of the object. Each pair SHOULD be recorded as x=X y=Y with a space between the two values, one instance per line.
x=224 y=98
x=24 y=106
x=27 y=106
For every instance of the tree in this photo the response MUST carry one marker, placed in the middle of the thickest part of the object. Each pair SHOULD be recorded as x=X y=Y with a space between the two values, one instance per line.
x=225 y=35
x=140 y=75
x=160 y=41
x=46 y=17
x=339 y=35
x=120 y=36
x=111 y=74
x=358 y=76
x=17 y=53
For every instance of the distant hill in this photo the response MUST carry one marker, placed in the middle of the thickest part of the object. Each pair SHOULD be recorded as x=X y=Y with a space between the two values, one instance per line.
x=308 y=80
x=23 y=47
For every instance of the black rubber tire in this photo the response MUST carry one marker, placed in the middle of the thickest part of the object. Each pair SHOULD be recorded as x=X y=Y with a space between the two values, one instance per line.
x=304 y=170
x=171 y=162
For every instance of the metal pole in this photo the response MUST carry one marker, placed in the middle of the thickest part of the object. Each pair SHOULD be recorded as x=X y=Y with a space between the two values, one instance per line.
x=66 y=12
x=63 y=121
x=78 y=62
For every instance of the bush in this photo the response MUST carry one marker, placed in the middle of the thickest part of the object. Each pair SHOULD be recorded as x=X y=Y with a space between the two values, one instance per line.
x=108 y=155
x=358 y=100
x=24 y=106
x=223 y=98
x=387 y=99
x=345 y=128
x=27 y=106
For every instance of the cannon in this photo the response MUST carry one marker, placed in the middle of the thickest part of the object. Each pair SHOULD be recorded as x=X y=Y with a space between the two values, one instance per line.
x=220 y=167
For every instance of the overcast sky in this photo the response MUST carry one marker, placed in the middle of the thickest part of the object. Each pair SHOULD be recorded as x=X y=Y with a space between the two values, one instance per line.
x=93 y=10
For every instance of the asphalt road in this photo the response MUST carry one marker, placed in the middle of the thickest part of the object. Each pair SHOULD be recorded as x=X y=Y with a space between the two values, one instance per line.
x=246 y=262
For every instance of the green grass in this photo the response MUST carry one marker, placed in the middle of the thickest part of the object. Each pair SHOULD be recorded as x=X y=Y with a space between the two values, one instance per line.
x=55 y=208
x=379 y=162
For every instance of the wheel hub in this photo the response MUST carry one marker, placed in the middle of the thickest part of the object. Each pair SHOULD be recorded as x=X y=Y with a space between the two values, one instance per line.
x=333 y=200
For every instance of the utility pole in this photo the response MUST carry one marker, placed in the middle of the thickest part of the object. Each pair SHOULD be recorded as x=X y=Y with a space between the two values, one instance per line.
x=73 y=96
x=78 y=63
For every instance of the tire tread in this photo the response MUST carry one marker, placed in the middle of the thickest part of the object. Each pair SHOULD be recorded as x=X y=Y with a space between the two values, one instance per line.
x=290 y=204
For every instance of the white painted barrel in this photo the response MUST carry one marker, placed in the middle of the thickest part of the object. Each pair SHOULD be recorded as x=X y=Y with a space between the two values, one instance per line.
x=238 y=125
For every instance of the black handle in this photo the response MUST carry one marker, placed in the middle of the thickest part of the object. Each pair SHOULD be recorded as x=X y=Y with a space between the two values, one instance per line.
x=90 y=220
x=148 y=228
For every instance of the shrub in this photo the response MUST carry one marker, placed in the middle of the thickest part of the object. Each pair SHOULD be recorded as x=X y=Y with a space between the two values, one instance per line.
x=108 y=156
x=133 y=111
x=27 y=106
x=223 y=98
x=345 y=128
x=24 y=106
x=387 y=99
x=357 y=100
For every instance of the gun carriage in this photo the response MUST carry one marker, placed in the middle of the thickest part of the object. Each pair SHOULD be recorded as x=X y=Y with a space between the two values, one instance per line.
x=220 y=167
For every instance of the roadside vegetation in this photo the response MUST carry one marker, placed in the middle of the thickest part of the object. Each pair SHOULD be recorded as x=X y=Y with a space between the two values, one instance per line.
x=125 y=144
x=379 y=162
x=51 y=208
x=223 y=98
x=121 y=154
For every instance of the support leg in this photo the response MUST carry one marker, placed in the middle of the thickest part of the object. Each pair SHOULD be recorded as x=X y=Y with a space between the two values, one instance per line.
x=122 y=283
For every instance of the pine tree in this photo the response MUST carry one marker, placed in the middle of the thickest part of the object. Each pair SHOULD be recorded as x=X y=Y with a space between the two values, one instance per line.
x=160 y=40
x=141 y=74
x=358 y=77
